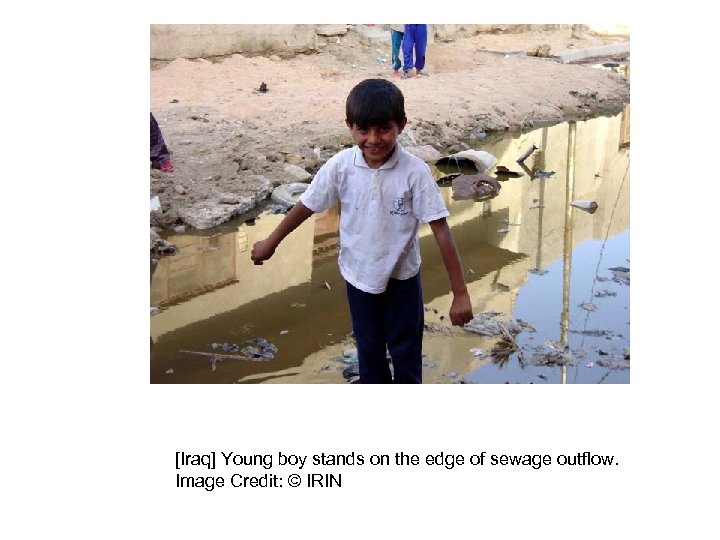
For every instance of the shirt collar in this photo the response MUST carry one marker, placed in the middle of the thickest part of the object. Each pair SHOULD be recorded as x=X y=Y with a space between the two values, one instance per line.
x=359 y=160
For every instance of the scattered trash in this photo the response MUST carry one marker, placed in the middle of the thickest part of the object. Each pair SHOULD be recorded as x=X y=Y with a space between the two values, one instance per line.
x=169 y=372
x=537 y=206
x=479 y=352
x=263 y=88
x=288 y=194
x=230 y=347
x=154 y=310
x=589 y=364
x=471 y=271
x=543 y=174
x=327 y=286
x=284 y=332
x=474 y=186
x=538 y=271
x=260 y=349
x=541 y=376
x=588 y=206
x=489 y=323
x=483 y=161
x=380 y=58
x=588 y=306
x=155 y=204
x=175 y=101
x=507 y=222
x=503 y=230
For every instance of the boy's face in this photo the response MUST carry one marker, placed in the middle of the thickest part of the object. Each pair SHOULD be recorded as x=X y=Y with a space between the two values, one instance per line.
x=377 y=142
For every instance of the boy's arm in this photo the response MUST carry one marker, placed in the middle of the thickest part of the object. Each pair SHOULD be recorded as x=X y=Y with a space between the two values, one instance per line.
x=461 y=308
x=264 y=249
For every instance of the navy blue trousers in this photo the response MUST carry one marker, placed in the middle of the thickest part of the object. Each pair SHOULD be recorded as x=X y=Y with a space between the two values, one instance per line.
x=392 y=320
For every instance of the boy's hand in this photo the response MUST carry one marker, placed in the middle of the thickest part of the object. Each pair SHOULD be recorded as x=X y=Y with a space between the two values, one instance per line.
x=461 y=309
x=262 y=251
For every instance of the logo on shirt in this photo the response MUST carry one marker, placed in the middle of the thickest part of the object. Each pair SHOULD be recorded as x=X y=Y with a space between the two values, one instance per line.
x=399 y=207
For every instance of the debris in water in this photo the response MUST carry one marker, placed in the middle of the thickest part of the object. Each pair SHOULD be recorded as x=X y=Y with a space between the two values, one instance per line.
x=327 y=286
x=230 y=347
x=503 y=230
x=526 y=154
x=589 y=364
x=284 y=332
x=538 y=271
x=169 y=372
x=588 y=206
x=621 y=274
x=602 y=293
x=489 y=324
x=471 y=271
x=588 y=306
x=504 y=171
x=507 y=222
x=479 y=352
x=544 y=174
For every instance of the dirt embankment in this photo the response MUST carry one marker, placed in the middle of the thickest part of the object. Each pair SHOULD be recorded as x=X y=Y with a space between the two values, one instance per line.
x=231 y=143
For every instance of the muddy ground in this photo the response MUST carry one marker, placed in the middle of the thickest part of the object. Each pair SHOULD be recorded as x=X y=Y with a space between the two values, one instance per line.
x=231 y=144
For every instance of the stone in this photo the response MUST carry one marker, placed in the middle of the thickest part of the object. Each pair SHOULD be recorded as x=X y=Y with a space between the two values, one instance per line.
x=296 y=174
x=425 y=152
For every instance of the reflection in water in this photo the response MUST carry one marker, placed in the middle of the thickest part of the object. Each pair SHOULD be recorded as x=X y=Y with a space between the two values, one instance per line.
x=525 y=251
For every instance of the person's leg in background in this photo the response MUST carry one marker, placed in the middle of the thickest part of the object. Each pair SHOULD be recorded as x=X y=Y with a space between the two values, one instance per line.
x=420 y=46
x=396 y=43
x=408 y=44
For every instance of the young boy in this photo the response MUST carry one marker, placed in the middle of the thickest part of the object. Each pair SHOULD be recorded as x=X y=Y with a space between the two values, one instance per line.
x=384 y=193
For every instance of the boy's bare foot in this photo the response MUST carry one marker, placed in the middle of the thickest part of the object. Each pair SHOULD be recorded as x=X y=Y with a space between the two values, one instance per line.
x=396 y=74
x=421 y=73
x=408 y=74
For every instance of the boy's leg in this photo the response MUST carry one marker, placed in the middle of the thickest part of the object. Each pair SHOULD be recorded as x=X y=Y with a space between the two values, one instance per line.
x=368 y=326
x=420 y=46
x=404 y=320
x=396 y=40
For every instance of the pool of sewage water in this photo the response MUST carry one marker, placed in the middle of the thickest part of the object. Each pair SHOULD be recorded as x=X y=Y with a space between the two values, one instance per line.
x=528 y=255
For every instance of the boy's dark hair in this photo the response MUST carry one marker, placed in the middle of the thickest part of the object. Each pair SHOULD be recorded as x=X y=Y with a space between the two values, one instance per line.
x=374 y=102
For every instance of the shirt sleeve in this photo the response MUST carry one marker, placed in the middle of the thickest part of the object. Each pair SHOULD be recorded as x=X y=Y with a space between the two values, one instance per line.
x=322 y=192
x=428 y=204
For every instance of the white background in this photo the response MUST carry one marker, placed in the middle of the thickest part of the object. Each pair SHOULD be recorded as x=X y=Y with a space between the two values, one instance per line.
x=89 y=444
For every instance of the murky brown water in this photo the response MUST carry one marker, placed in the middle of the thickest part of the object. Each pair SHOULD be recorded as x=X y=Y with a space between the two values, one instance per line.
x=522 y=254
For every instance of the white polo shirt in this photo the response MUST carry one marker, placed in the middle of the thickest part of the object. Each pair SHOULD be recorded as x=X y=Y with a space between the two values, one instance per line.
x=380 y=212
